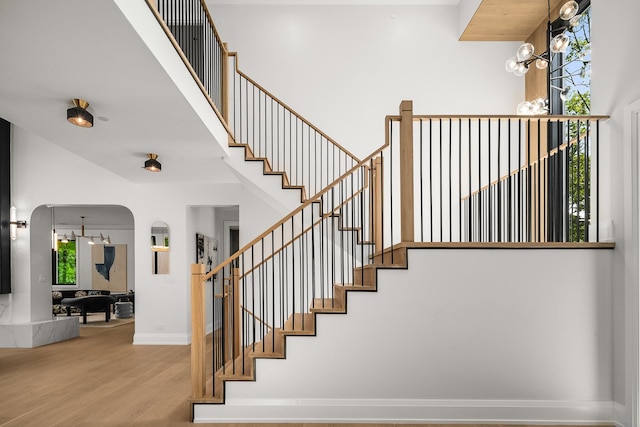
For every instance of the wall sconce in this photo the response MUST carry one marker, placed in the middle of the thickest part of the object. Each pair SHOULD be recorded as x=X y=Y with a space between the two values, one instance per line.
x=14 y=224
x=78 y=115
x=152 y=164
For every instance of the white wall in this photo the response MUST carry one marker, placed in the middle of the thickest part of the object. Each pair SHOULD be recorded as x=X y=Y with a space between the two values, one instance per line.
x=462 y=335
x=615 y=85
x=162 y=301
x=344 y=68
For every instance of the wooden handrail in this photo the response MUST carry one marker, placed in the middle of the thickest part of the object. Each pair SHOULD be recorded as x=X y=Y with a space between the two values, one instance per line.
x=544 y=118
x=305 y=121
x=250 y=313
x=562 y=118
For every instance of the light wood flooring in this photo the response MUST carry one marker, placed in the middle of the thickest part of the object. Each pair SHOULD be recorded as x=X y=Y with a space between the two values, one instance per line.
x=101 y=379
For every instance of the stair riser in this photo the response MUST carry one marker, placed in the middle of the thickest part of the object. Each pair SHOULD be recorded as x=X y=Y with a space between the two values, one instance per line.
x=364 y=276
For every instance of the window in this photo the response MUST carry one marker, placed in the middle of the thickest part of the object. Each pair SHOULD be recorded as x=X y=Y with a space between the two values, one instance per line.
x=570 y=94
x=570 y=74
x=65 y=263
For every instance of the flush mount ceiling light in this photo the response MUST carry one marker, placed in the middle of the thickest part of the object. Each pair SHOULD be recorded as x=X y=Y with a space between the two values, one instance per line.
x=152 y=164
x=78 y=114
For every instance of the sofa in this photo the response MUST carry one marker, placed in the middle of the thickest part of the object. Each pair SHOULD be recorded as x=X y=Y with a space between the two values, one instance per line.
x=70 y=302
x=58 y=296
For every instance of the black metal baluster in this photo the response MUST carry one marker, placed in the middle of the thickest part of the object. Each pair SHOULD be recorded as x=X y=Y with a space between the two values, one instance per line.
x=273 y=291
x=470 y=207
x=450 y=190
x=302 y=270
x=272 y=142
x=509 y=186
x=567 y=184
x=440 y=172
x=430 y=182
x=499 y=195
x=528 y=192
x=538 y=170
x=460 y=180
x=421 y=191
x=587 y=181
x=480 y=224
x=489 y=198
x=520 y=180
x=382 y=198
x=391 y=193
x=598 y=181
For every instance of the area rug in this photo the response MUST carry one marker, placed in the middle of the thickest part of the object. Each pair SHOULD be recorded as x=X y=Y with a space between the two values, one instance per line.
x=96 y=320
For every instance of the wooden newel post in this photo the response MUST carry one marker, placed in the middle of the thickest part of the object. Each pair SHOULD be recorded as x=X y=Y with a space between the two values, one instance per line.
x=406 y=171
x=198 y=333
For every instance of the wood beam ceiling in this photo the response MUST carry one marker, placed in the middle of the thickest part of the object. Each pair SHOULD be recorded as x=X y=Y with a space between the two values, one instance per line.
x=506 y=20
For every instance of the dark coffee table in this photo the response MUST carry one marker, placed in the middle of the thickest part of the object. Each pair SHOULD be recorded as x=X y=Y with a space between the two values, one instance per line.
x=90 y=304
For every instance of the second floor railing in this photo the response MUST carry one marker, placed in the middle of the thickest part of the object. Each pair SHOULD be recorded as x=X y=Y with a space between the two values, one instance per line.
x=497 y=178
x=192 y=28
x=268 y=128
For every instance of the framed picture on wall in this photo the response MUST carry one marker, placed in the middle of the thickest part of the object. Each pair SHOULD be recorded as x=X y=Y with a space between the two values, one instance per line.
x=207 y=252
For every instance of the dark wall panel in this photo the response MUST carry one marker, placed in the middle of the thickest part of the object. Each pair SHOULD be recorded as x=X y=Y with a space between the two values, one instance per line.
x=5 y=206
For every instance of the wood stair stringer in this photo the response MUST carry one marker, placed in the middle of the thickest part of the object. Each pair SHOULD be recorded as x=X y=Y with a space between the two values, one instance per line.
x=268 y=170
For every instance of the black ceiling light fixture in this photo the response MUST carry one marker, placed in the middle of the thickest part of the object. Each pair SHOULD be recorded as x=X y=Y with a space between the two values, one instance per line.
x=78 y=114
x=152 y=164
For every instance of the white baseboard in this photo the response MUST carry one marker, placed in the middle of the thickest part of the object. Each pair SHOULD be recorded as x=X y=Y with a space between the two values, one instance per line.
x=406 y=411
x=161 y=339
x=620 y=414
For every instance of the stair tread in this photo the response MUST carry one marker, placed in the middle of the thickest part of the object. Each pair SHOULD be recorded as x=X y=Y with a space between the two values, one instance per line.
x=352 y=287
x=385 y=265
x=327 y=305
x=300 y=324
x=271 y=347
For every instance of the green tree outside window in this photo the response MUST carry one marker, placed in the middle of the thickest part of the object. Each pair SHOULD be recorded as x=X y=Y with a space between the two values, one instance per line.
x=66 y=263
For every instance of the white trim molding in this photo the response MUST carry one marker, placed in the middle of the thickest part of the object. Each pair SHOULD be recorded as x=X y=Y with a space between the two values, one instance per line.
x=406 y=411
x=631 y=139
x=161 y=339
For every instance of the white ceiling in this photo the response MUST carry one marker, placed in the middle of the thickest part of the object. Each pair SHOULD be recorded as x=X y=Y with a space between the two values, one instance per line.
x=53 y=51
x=105 y=217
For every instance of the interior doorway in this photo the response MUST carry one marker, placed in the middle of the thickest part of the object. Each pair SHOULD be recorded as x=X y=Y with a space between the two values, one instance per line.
x=231 y=238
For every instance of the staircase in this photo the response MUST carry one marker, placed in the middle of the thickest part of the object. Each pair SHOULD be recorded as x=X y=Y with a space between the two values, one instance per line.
x=262 y=127
x=476 y=181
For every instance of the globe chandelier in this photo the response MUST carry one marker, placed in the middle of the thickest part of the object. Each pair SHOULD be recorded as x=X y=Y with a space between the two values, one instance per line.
x=526 y=57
